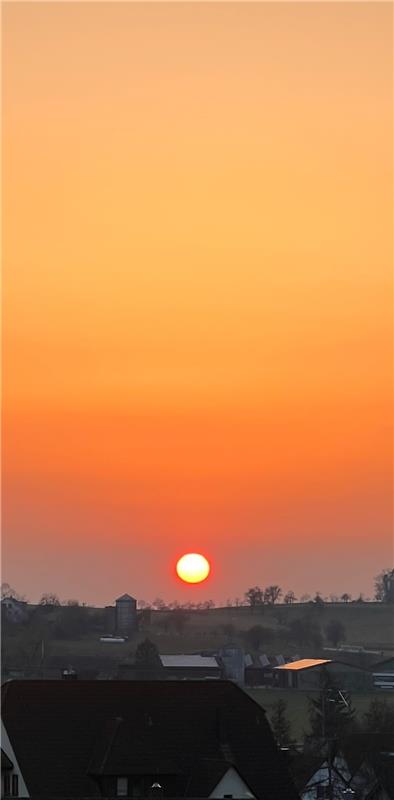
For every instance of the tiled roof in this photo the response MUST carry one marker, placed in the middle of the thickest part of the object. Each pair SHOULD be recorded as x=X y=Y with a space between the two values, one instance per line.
x=66 y=732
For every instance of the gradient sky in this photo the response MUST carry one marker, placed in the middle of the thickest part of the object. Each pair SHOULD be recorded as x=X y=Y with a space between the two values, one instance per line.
x=197 y=298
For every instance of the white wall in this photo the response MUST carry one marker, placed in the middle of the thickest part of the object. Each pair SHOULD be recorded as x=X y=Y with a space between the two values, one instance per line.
x=9 y=750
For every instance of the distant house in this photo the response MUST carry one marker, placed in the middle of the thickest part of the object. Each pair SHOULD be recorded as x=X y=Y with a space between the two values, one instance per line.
x=311 y=673
x=328 y=781
x=190 y=666
x=369 y=779
x=383 y=674
x=125 y=614
x=14 y=610
x=196 y=739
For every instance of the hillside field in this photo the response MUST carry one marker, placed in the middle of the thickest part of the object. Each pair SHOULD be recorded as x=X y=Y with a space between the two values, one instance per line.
x=368 y=625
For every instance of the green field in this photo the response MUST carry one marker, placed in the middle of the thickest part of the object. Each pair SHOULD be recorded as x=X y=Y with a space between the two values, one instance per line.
x=368 y=624
x=297 y=704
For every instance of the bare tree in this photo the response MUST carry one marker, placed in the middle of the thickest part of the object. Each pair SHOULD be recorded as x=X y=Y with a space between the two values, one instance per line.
x=345 y=597
x=254 y=596
x=8 y=591
x=280 y=724
x=272 y=594
x=257 y=635
x=159 y=604
x=49 y=599
x=380 y=584
x=335 y=632
x=289 y=598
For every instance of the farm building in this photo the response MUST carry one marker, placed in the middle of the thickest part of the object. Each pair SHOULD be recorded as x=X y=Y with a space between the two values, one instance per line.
x=125 y=614
x=232 y=659
x=312 y=673
x=259 y=669
x=14 y=610
x=383 y=674
x=190 y=667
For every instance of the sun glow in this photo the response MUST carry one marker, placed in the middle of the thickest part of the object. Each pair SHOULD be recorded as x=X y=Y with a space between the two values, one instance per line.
x=193 y=568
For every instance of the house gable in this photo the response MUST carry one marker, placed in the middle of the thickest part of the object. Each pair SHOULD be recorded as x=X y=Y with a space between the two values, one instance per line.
x=231 y=785
x=9 y=752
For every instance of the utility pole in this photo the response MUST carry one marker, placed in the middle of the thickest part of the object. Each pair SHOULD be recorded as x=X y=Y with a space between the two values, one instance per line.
x=327 y=740
x=327 y=697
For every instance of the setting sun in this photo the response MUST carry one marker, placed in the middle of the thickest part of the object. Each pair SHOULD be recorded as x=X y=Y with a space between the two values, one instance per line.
x=193 y=568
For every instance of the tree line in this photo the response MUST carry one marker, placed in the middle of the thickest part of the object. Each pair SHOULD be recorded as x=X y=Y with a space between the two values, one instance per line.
x=255 y=596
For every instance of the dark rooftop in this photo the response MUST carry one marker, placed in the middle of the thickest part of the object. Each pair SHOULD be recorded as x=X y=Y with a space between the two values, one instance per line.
x=66 y=734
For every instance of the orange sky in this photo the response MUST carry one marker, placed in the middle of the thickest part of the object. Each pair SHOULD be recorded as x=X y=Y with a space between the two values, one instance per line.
x=197 y=298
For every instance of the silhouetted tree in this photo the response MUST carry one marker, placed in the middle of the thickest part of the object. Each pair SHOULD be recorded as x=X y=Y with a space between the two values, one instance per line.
x=304 y=631
x=257 y=635
x=379 y=719
x=335 y=631
x=8 y=591
x=345 y=597
x=280 y=724
x=379 y=582
x=330 y=718
x=147 y=654
x=272 y=594
x=49 y=599
x=254 y=596
x=159 y=604
x=289 y=598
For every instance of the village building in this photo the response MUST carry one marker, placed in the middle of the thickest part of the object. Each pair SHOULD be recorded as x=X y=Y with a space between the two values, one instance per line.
x=180 y=739
x=344 y=778
x=14 y=610
x=125 y=614
x=383 y=674
x=313 y=673
x=192 y=667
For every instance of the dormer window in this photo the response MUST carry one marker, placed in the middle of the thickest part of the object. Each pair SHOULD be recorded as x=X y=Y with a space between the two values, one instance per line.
x=122 y=787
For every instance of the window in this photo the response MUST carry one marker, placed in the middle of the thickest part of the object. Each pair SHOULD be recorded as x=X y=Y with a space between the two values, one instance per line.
x=121 y=787
x=15 y=787
x=7 y=785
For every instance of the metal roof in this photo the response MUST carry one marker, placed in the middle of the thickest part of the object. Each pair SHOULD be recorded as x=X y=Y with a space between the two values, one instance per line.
x=124 y=597
x=305 y=663
x=189 y=661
